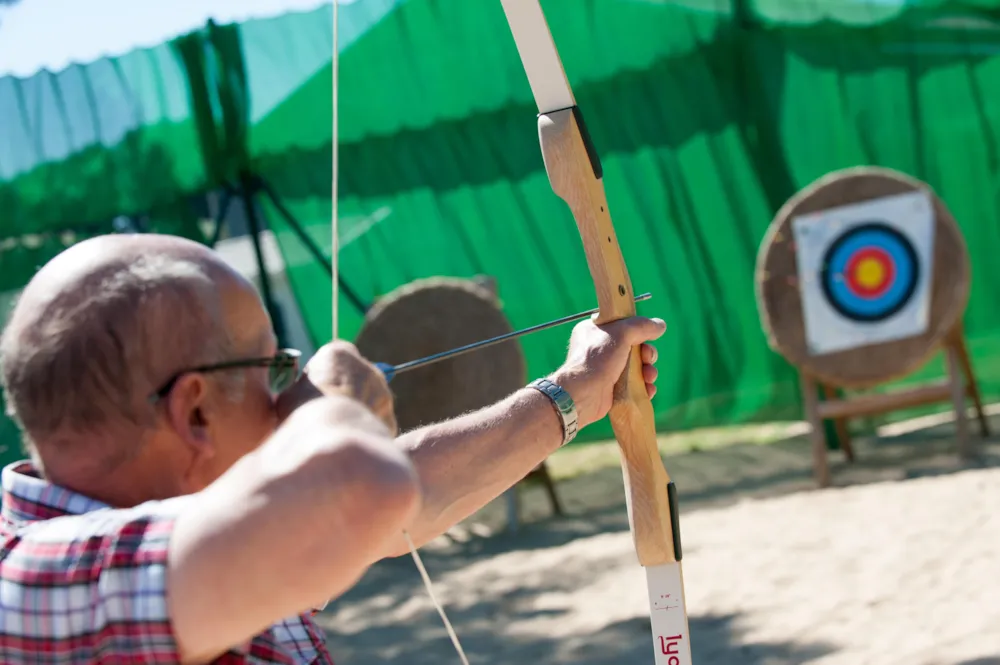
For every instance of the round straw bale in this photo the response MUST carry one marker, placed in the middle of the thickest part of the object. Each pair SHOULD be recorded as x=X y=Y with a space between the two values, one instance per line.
x=437 y=314
x=779 y=302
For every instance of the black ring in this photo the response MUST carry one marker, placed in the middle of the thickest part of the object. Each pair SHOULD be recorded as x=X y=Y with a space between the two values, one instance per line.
x=825 y=275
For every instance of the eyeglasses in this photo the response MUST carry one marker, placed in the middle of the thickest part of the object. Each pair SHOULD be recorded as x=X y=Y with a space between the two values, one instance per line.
x=283 y=369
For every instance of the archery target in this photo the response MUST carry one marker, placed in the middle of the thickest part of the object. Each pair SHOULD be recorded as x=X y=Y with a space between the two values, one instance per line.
x=870 y=272
x=864 y=271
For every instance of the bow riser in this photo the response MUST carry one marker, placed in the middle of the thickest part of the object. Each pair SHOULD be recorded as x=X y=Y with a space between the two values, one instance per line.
x=574 y=173
x=575 y=176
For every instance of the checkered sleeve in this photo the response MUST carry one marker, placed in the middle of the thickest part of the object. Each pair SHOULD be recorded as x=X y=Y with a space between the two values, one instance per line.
x=89 y=588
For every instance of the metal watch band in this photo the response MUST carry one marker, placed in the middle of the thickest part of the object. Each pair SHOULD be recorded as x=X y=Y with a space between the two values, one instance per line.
x=564 y=404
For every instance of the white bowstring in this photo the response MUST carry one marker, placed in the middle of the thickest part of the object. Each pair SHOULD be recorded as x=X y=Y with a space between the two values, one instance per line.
x=334 y=217
x=430 y=592
x=334 y=264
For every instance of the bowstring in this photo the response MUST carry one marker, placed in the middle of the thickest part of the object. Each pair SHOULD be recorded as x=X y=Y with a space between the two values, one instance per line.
x=437 y=604
x=335 y=268
x=334 y=216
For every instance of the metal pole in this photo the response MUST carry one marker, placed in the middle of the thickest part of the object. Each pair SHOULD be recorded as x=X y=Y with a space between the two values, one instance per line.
x=247 y=194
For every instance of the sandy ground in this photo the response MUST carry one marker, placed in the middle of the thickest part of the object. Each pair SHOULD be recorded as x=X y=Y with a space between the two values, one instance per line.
x=900 y=563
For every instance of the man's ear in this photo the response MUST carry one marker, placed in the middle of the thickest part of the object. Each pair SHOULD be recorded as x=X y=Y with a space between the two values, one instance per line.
x=189 y=413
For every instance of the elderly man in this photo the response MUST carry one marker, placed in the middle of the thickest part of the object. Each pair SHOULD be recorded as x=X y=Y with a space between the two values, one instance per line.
x=190 y=496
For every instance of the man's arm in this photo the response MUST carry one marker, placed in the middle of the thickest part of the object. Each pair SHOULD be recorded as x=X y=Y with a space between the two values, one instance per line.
x=465 y=463
x=288 y=527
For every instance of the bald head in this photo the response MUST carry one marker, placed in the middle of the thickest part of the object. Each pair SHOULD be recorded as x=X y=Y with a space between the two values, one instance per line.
x=102 y=323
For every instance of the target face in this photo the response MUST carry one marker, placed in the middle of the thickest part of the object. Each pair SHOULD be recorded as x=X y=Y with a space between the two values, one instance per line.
x=870 y=272
x=864 y=271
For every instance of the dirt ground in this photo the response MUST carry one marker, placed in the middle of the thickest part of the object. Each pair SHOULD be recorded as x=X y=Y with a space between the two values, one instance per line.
x=900 y=563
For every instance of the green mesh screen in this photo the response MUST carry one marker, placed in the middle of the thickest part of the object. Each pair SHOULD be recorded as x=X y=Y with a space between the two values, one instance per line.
x=708 y=115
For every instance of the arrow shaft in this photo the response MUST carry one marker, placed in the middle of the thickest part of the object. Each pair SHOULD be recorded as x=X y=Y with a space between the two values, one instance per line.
x=391 y=371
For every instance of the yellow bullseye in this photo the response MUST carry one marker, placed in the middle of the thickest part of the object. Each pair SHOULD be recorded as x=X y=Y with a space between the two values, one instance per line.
x=869 y=273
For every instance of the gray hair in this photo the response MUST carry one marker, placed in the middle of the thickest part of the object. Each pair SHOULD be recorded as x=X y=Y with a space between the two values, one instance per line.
x=89 y=360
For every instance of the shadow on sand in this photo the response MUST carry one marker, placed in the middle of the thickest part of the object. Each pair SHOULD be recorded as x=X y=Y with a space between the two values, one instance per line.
x=385 y=618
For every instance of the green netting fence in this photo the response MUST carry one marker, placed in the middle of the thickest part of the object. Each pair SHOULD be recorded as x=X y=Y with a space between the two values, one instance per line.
x=708 y=115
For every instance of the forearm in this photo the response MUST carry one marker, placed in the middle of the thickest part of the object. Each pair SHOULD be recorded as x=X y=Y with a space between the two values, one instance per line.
x=465 y=463
x=296 y=522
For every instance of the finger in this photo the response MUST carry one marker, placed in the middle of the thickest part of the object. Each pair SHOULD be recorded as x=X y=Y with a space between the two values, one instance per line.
x=390 y=421
x=637 y=329
x=649 y=373
x=649 y=353
x=651 y=390
x=343 y=346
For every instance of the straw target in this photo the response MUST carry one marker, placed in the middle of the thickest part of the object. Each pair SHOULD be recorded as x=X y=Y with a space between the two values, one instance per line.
x=864 y=271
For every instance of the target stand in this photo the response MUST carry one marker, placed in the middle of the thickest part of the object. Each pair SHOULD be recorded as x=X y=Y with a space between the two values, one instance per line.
x=861 y=278
x=437 y=314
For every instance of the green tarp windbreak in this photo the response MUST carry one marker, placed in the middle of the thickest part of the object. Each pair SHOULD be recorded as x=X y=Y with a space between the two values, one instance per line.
x=708 y=114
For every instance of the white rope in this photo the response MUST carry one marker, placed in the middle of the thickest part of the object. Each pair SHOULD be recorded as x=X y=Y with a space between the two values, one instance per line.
x=334 y=146
x=430 y=592
x=335 y=267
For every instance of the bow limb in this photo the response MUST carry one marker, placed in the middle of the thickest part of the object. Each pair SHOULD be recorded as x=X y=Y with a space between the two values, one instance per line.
x=574 y=171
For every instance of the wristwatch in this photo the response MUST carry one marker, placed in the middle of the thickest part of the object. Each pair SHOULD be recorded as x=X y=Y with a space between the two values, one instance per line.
x=564 y=404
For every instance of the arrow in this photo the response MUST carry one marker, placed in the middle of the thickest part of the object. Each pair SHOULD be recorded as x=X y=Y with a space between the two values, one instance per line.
x=390 y=371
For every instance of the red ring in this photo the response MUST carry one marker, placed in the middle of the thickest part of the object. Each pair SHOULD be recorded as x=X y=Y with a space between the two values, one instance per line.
x=889 y=276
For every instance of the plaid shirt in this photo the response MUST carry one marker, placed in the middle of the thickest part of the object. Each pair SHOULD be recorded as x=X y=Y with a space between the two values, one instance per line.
x=81 y=582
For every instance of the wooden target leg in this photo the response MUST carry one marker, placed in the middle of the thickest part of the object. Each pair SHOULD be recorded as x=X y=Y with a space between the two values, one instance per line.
x=513 y=509
x=810 y=398
x=550 y=488
x=957 y=380
x=840 y=424
x=973 y=386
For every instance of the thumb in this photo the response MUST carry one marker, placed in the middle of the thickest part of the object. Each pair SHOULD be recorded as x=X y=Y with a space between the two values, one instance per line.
x=637 y=330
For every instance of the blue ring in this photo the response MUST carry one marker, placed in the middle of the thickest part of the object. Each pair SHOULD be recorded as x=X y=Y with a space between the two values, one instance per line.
x=835 y=260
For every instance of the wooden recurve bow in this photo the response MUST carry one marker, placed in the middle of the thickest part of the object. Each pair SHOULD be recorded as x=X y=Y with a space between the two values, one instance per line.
x=574 y=171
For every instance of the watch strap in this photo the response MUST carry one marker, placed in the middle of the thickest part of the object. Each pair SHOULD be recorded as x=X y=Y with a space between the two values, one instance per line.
x=565 y=407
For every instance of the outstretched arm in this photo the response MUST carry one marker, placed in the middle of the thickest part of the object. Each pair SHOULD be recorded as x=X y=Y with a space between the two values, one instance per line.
x=465 y=463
